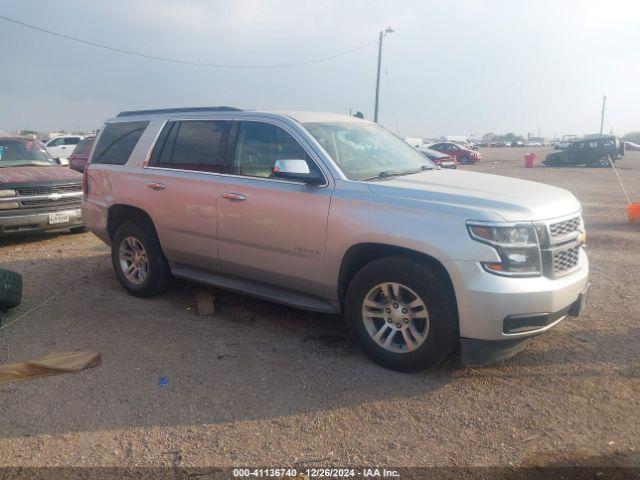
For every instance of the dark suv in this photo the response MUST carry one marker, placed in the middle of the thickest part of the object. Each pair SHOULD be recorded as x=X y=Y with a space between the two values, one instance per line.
x=592 y=152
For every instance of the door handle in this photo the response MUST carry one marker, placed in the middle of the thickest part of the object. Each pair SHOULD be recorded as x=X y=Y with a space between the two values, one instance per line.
x=234 y=197
x=156 y=186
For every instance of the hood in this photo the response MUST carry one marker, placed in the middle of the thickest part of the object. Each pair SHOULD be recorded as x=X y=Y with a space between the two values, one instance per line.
x=54 y=174
x=486 y=195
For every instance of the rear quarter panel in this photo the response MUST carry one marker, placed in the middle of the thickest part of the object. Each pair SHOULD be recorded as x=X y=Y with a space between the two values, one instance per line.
x=109 y=185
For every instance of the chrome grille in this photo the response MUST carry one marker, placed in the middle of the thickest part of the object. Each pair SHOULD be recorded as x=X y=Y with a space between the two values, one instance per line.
x=566 y=259
x=50 y=203
x=564 y=228
x=27 y=191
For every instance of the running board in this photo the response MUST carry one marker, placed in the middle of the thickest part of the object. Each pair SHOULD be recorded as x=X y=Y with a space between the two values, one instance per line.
x=259 y=290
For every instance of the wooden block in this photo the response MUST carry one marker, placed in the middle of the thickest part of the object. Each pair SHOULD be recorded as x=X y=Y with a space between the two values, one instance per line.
x=206 y=303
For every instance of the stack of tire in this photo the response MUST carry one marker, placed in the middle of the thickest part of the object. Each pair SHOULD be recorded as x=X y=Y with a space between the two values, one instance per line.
x=10 y=289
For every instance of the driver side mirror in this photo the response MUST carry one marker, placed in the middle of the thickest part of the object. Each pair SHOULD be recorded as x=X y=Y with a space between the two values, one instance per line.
x=297 y=170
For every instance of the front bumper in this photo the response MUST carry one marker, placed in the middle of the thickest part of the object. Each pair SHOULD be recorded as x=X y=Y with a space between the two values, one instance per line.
x=479 y=352
x=507 y=309
x=38 y=221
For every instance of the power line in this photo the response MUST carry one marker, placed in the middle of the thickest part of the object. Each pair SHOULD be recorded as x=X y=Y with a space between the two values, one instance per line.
x=184 y=62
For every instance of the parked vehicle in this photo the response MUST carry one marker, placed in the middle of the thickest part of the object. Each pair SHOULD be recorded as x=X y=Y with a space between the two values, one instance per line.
x=461 y=153
x=517 y=143
x=36 y=193
x=335 y=214
x=78 y=159
x=441 y=159
x=499 y=144
x=534 y=143
x=592 y=152
x=62 y=147
x=630 y=145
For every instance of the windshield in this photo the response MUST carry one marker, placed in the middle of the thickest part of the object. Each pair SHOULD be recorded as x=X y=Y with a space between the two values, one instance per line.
x=15 y=153
x=365 y=151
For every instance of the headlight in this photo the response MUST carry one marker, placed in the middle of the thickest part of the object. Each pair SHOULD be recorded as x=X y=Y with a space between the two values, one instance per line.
x=517 y=245
x=7 y=193
x=9 y=205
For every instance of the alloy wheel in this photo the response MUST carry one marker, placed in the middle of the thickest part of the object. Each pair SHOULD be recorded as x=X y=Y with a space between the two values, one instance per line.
x=134 y=260
x=395 y=317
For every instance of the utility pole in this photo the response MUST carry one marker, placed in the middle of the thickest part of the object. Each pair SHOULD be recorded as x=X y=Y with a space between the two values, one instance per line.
x=604 y=101
x=382 y=34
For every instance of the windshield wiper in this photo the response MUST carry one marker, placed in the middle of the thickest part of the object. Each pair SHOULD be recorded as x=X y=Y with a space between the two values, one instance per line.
x=388 y=173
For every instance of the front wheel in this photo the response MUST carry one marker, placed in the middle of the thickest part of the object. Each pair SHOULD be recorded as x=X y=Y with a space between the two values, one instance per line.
x=464 y=160
x=402 y=313
x=138 y=261
x=603 y=162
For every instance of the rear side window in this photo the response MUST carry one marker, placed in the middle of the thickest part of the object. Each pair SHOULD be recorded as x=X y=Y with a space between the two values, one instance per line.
x=193 y=145
x=117 y=142
x=84 y=146
x=71 y=140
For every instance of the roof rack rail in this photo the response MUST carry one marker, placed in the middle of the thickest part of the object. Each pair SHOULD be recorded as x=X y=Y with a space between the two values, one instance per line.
x=178 y=110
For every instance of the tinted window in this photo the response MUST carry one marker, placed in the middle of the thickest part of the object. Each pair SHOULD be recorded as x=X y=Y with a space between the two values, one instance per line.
x=56 y=142
x=193 y=145
x=259 y=145
x=71 y=141
x=84 y=146
x=117 y=142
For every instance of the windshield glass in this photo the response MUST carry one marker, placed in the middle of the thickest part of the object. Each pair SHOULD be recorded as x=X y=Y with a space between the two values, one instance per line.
x=15 y=153
x=366 y=151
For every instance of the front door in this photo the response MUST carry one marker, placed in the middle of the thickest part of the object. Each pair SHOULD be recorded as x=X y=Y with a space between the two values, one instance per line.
x=181 y=189
x=272 y=230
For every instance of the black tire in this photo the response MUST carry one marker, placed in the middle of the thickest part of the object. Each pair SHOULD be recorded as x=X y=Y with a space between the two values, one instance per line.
x=603 y=162
x=79 y=230
x=10 y=289
x=464 y=160
x=435 y=292
x=158 y=274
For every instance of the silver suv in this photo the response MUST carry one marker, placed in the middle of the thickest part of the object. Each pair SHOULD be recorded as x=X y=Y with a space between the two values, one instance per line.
x=336 y=214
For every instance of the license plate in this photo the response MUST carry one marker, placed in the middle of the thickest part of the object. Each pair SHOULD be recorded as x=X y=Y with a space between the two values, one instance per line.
x=58 y=218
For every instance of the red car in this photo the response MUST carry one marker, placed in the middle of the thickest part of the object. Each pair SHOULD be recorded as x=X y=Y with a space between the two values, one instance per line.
x=462 y=154
x=80 y=156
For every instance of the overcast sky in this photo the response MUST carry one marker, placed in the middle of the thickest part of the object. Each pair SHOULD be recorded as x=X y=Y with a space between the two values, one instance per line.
x=451 y=67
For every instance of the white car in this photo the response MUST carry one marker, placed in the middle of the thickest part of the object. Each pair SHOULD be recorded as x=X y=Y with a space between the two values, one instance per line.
x=62 y=147
x=534 y=144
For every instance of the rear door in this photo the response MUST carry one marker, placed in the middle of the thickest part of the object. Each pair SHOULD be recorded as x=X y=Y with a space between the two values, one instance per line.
x=181 y=189
x=272 y=230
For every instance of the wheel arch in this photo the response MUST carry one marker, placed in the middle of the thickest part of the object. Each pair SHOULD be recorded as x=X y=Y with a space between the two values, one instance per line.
x=359 y=255
x=120 y=213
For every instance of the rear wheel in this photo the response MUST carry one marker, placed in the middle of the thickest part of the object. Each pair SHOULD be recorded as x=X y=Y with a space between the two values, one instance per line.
x=138 y=261
x=402 y=313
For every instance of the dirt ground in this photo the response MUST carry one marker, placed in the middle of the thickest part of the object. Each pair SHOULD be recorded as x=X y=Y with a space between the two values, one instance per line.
x=260 y=384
